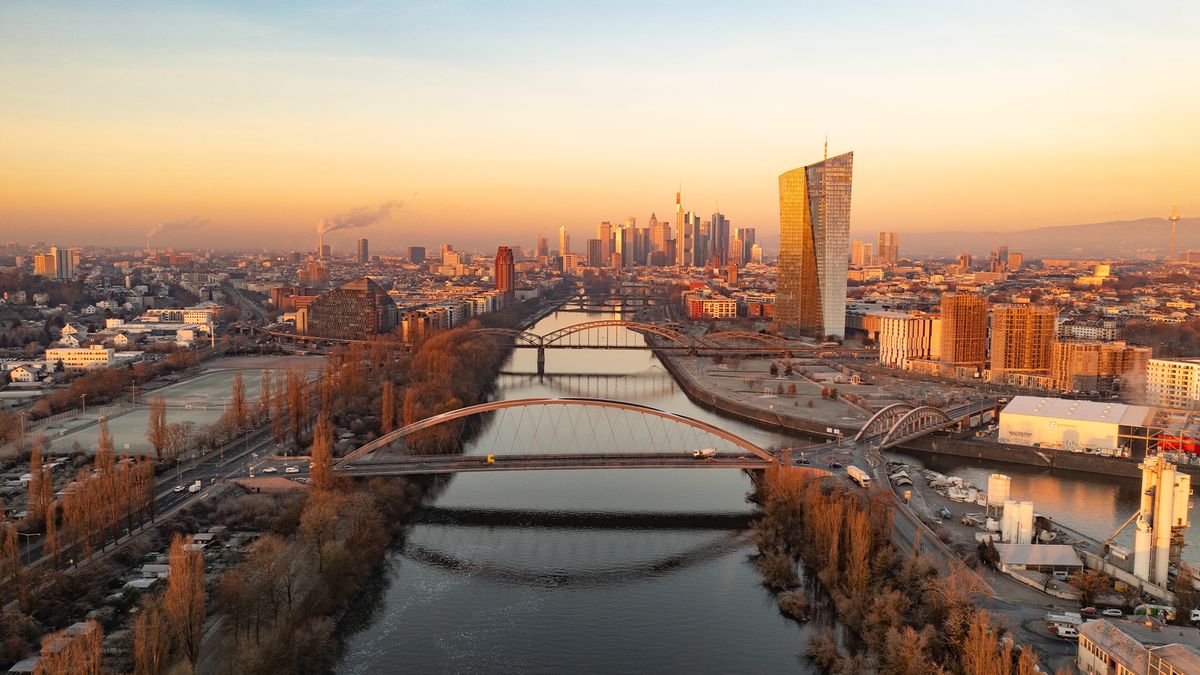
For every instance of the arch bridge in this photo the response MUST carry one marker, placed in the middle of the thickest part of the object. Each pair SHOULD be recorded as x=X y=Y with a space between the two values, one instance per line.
x=584 y=433
x=902 y=422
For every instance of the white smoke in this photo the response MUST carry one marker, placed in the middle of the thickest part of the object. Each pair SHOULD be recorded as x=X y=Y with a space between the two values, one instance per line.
x=173 y=225
x=358 y=217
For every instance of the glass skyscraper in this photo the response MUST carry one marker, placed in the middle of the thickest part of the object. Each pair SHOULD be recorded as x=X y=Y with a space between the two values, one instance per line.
x=814 y=247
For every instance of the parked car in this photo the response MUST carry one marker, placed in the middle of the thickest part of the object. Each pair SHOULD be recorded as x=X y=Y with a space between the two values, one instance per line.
x=1068 y=632
x=270 y=469
x=1113 y=611
x=1195 y=616
x=1089 y=611
x=292 y=469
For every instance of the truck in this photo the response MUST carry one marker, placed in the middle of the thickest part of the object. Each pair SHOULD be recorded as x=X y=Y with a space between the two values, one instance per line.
x=1161 y=612
x=859 y=476
x=194 y=487
x=705 y=453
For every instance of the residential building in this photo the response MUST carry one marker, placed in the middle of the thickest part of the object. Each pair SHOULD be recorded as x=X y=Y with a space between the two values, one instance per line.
x=64 y=262
x=79 y=358
x=564 y=241
x=595 y=257
x=355 y=310
x=1090 y=365
x=45 y=265
x=860 y=254
x=1023 y=338
x=416 y=254
x=1174 y=382
x=710 y=306
x=504 y=274
x=887 y=252
x=903 y=337
x=814 y=247
x=964 y=330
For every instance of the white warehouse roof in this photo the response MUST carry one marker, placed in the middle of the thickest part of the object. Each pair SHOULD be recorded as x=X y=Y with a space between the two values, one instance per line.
x=1086 y=411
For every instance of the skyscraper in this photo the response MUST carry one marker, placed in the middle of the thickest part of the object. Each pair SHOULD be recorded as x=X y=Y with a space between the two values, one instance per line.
x=887 y=252
x=564 y=242
x=659 y=234
x=604 y=234
x=416 y=254
x=543 y=247
x=363 y=252
x=64 y=262
x=747 y=237
x=814 y=246
x=964 y=330
x=505 y=281
x=594 y=258
x=1023 y=338
x=718 y=238
x=680 y=235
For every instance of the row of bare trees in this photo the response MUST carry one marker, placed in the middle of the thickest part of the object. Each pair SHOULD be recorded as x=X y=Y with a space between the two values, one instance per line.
x=908 y=617
x=76 y=653
x=171 y=624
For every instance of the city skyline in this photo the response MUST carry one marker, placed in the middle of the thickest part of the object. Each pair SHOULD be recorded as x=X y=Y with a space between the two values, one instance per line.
x=154 y=117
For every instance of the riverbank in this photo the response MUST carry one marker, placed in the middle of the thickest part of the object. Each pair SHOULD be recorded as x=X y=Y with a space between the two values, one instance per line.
x=779 y=416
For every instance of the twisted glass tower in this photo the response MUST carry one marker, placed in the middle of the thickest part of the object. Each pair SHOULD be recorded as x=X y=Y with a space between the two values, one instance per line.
x=814 y=247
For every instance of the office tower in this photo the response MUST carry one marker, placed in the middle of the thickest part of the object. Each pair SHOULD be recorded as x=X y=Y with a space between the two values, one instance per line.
x=543 y=248
x=691 y=231
x=860 y=254
x=814 y=246
x=964 y=261
x=594 y=257
x=45 y=264
x=1023 y=338
x=964 y=330
x=1002 y=255
x=564 y=242
x=747 y=237
x=718 y=238
x=756 y=254
x=659 y=234
x=505 y=280
x=355 y=310
x=680 y=234
x=64 y=262
x=325 y=253
x=416 y=254
x=1015 y=260
x=605 y=235
x=887 y=250
x=363 y=252
x=448 y=249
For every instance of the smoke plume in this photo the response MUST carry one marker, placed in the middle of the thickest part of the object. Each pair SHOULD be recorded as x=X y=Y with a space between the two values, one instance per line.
x=359 y=217
x=173 y=225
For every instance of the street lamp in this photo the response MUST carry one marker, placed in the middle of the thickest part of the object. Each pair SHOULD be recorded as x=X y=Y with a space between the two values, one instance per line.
x=83 y=398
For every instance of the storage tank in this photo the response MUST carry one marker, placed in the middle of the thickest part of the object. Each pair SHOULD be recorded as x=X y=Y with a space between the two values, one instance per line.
x=1008 y=523
x=1142 y=543
x=1164 y=509
x=998 y=489
x=1183 y=494
x=1025 y=523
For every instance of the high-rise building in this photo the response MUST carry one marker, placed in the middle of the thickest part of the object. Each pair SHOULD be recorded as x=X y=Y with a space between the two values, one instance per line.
x=604 y=233
x=681 y=236
x=814 y=246
x=543 y=248
x=594 y=257
x=570 y=264
x=45 y=265
x=416 y=254
x=355 y=310
x=964 y=330
x=691 y=232
x=887 y=250
x=325 y=253
x=964 y=261
x=564 y=241
x=907 y=336
x=718 y=238
x=746 y=236
x=860 y=254
x=1023 y=338
x=64 y=262
x=1092 y=365
x=1015 y=260
x=1173 y=383
x=504 y=272
x=756 y=254
x=364 y=254
x=1002 y=254
x=660 y=232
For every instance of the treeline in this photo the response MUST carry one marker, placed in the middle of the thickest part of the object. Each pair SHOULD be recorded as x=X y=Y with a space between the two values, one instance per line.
x=170 y=625
x=906 y=617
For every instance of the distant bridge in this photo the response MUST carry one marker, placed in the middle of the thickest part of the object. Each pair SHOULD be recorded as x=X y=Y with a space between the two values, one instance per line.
x=899 y=423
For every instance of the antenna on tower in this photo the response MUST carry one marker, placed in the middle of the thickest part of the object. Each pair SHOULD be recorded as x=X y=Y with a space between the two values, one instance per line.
x=1174 y=220
x=826 y=146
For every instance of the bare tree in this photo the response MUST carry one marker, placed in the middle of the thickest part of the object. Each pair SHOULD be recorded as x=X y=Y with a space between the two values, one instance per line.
x=156 y=432
x=388 y=407
x=322 y=453
x=237 y=402
x=183 y=601
x=151 y=639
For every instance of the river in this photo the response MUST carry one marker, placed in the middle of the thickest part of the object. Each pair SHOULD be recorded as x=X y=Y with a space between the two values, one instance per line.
x=636 y=595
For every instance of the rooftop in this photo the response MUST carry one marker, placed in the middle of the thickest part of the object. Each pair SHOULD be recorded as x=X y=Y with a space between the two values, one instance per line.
x=1087 y=411
x=1057 y=555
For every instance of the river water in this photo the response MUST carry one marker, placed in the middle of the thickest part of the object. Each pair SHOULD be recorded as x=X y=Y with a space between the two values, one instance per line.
x=627 y=592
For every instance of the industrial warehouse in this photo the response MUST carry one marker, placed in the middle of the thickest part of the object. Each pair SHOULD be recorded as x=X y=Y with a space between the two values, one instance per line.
x=1105 y=428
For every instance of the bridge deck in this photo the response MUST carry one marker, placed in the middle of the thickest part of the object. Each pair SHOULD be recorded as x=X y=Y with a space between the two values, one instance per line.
x=408 y=465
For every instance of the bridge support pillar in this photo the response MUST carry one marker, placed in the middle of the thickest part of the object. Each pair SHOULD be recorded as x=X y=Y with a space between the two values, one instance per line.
x=541 y=360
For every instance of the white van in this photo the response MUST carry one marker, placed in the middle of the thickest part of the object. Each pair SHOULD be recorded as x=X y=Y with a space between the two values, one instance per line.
x=1068 y=632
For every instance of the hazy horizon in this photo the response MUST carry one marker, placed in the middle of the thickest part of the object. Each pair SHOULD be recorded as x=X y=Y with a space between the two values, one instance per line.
x=245 y=126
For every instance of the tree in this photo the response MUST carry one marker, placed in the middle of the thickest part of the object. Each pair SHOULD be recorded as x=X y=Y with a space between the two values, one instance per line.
x=1090 y=583
x=388 y=407
x=77 y=654
x=791 y=389
x=183 y=601
x=156 y=432
x=264 y=395
x=40 y=488
x=774 y=370
x=318 y=523
x=237 y=402
x=151 y=639
x=322 y=453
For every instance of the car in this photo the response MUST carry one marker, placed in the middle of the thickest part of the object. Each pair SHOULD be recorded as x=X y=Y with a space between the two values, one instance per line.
x=1068 y=632
x=1112 y=611
x=270 y=469
x=835 y=465
x=1195 y=616
x=1089 y=611
x=292 y=469
x=803 y=460
x=178 y=488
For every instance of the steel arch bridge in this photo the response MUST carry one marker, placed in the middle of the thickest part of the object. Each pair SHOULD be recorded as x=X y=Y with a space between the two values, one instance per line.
x=373 y=458
x=902 y=422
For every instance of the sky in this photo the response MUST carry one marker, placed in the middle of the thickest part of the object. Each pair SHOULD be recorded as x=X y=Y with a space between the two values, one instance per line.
x=480 y=123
